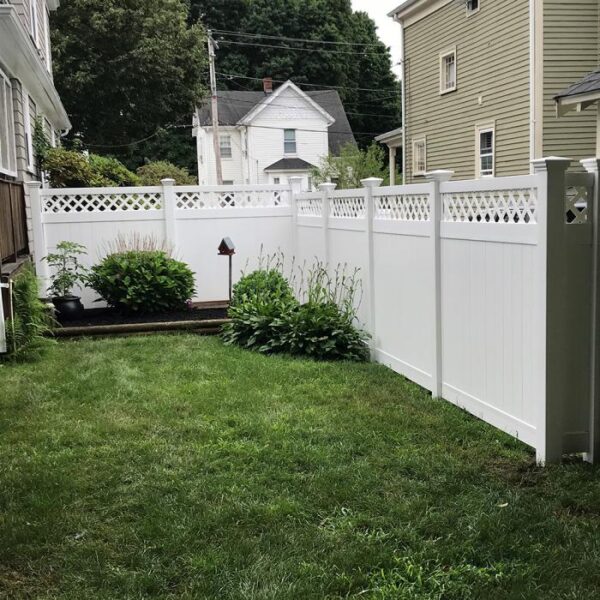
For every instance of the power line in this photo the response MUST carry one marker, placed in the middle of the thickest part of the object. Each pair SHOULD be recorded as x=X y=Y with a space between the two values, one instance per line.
x=261 y=45
x=292 y=39
x=315 y=85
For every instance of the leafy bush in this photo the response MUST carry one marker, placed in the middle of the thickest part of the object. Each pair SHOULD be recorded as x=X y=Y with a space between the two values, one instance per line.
x=153 y=173
x=67 y=271
x=113 y=170
x=145 y=282
x=260 y=299
x=69 y=168
x=32 y=318
x=266 y=316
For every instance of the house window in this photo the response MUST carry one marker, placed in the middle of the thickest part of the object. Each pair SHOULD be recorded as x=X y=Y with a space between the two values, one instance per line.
x=228 y=182
x=8 y=159
x=276 y=180
x=33 y=20
x=28 y=106
x=473 y=6
x=289 y=141
x=486 y=140
x=448 y=71
x=419 y=148
x=225 y=143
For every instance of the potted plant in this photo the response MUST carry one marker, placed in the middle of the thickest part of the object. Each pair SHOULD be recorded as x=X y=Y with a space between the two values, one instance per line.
x=68 y=272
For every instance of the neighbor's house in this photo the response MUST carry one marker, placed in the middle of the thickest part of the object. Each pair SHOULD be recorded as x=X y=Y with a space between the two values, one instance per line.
x=480 y=77
x=267 y=137
x=27 y=91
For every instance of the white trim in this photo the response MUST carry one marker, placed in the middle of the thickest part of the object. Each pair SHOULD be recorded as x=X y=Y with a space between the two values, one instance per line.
x=412 y=11
x=29 y=129
x=449 y=52
x=34 y=22
x=254 y=112
x=48 y=44
x=295 y=141
x=222 y=137
x=479 y=129
x=422 y=139
x=11 y=156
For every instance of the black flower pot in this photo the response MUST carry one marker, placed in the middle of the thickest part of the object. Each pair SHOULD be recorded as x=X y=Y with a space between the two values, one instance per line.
x=68 y=308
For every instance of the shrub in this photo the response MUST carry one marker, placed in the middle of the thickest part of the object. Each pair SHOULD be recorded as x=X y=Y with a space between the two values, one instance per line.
x=260 y=299
x=153 y=173
x=145 y=282
x=67 y=270
x=113 y=170
x=32 y=318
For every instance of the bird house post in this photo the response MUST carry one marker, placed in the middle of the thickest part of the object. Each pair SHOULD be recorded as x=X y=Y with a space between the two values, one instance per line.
x=227 y=248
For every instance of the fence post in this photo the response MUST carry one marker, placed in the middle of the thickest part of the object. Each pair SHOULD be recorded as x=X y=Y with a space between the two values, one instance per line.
x=169 y=204
x=326 y=189
x=437 y=178
x=370 y=184
x=552 y=269
x=39 y=235
x=295 y=189
x=592 y=165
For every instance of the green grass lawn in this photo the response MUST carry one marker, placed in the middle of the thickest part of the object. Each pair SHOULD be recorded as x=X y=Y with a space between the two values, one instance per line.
x=175 y=467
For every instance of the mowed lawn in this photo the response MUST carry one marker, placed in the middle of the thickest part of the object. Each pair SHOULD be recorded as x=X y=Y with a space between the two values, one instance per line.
x=176 y=467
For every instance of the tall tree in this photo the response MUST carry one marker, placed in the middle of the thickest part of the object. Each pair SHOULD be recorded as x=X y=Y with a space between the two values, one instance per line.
x=126 y=70
x=357 y=59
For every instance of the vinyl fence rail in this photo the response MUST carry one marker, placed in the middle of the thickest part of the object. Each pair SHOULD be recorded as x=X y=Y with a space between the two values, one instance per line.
x=484 y=292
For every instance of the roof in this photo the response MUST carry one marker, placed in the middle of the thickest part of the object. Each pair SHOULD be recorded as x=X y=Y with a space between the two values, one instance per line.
x=234 y=106
x=290 y=164
x=392 y=138
x=589 y=84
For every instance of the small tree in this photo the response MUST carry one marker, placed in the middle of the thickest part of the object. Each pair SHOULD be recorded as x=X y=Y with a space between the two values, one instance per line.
x=351 y=166
x=67 y=270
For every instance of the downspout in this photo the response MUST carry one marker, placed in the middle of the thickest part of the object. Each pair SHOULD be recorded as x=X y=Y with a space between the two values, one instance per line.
x=403 y=88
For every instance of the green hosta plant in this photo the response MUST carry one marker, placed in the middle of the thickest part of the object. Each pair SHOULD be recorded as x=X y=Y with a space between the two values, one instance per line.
x=67 y=271
x=143 y=282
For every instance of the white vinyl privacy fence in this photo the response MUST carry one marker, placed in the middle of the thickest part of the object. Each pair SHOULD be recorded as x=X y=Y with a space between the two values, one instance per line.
x=484 y=292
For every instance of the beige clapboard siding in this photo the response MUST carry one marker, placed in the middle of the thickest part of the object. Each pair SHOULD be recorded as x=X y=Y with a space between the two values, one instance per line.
x=570 y=52
x=492 y=62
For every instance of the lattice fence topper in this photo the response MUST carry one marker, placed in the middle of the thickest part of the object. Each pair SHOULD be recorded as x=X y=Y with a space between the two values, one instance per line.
x=576 y=204
x=497 y=206
x=352 y=207
x=191 y=200
x=402 y=207
x=309 y=207
x=101 y=202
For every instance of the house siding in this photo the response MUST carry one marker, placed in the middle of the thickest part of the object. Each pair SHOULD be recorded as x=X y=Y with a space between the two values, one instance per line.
x=570 y=52
x=492 y=49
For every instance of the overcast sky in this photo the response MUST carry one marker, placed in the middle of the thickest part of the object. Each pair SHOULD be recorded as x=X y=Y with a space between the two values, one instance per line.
x=388 y=30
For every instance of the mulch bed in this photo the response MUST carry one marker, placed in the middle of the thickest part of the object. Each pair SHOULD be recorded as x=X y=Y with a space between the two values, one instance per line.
x=106 y=316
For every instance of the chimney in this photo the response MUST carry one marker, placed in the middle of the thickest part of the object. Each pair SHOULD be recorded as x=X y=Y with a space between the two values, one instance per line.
x=268 y=85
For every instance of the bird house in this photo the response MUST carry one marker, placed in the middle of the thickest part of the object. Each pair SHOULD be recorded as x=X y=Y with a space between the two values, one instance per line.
x=226 y=247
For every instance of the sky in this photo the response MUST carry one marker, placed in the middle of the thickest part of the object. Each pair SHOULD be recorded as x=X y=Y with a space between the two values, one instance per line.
x=388 y=30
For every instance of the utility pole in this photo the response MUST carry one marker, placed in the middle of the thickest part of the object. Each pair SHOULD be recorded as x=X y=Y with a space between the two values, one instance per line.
x=215 y=107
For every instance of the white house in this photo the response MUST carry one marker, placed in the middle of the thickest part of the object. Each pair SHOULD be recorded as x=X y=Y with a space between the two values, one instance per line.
x=267 y=137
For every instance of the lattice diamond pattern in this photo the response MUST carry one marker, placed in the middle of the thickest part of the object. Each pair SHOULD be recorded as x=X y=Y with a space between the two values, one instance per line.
x=310 y=207
x=576 y=206
x=498 y=206
x=348 y=208
x=98 y=202
x=230 y=199
x=402 y=207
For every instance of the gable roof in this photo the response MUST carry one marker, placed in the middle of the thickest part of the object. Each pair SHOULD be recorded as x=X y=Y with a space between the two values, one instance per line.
x=234 y=106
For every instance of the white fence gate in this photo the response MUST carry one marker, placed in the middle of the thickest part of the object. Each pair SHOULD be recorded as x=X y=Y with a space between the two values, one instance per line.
x=484 y=292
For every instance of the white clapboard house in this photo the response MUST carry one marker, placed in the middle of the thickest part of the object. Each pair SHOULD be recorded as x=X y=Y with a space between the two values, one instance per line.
x=267 y=137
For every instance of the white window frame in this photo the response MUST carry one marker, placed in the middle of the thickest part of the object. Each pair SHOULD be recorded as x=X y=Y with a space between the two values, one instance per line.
x=28 y=126
x=9 y=153
x=226 y=148
x=286 y=142
x=473 y=11
x=479 y=130
x=47 y=40
x=444 y=89
x=276 y=180
x=416 y=141
x=33 y=21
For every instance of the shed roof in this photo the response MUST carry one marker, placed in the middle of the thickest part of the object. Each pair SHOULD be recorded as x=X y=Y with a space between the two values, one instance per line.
x=290 y=164
x=589 y=84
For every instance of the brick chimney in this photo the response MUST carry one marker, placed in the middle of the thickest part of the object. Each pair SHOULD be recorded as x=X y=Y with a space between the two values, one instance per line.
x=268 y=85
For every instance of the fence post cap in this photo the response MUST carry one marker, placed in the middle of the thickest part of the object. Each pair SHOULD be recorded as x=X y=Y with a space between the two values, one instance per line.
x=371 y=182
x=541 y=165
x=439 y=175
x=167 y=181
x=327 y=187
x=33 y=184
x=591 y=165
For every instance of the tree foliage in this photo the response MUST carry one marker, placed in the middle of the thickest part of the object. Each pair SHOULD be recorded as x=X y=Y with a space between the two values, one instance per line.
x=347 y=66
x=125 y=68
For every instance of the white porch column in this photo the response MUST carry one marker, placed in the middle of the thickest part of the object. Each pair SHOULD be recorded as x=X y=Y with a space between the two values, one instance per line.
x=392 y=165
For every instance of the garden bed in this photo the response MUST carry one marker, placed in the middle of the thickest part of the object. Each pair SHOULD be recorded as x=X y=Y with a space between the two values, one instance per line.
x=208 y=317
